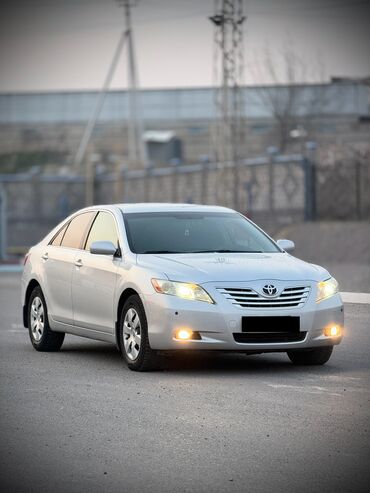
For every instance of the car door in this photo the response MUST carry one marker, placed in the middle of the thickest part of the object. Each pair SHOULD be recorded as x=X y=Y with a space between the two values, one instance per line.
x=58 y=263
x=94 y=279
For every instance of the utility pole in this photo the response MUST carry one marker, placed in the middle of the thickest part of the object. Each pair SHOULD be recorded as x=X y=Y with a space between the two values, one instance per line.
x=228 y=20
x=136 y=148
x=81 y=151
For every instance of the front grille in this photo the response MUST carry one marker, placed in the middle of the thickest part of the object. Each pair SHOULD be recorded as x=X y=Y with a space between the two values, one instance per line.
x=248 y=298
x=268 y=337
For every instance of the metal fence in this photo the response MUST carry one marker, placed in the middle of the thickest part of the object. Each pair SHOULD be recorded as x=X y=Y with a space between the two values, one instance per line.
x=273 y=191
x=342 y=190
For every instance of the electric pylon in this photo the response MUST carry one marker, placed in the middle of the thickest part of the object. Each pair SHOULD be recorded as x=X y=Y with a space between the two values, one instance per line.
x=228 y=20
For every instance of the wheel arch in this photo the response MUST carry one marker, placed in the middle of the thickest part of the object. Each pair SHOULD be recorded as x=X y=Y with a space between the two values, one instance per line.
x=122 y=300
x=31 y=286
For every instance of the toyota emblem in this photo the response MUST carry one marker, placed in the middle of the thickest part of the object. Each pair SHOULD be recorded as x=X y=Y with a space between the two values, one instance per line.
x=269 y=290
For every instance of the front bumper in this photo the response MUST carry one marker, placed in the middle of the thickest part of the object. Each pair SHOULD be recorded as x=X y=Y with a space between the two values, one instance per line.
x=218 y=323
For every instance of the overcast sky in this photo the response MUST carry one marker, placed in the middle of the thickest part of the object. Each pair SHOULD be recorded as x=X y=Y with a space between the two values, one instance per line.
x=68 y=44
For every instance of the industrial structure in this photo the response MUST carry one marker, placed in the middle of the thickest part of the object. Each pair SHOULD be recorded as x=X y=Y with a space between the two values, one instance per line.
x=228 y=20
x=46 y=128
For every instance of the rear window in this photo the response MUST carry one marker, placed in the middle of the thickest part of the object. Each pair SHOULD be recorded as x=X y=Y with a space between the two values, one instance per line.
x=59 y=236
x=76 y=230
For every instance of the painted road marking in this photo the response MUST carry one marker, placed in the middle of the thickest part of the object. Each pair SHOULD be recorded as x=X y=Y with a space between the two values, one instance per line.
x=362 y=298
x=308 y=389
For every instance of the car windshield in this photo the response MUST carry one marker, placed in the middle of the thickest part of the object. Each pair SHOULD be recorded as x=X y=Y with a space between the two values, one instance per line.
x=195 y=232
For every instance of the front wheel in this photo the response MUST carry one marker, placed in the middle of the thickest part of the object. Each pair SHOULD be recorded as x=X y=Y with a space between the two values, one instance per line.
x=317 y=356
x=133 y=335
x=42 y=337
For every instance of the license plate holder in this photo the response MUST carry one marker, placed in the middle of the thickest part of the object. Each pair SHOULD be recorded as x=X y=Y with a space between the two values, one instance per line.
x=286 y=324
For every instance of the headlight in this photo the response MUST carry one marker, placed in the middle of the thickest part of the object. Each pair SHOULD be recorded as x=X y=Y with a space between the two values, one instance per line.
x=327 y=288
x=185 y=290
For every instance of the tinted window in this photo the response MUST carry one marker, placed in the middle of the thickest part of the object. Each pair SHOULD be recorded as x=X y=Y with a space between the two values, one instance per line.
x=182 y=232
x=103 y=229
x=76 y=230
x=58 y=238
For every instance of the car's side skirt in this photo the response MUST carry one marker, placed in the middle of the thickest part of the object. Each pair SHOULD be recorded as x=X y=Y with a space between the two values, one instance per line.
x=83 y=332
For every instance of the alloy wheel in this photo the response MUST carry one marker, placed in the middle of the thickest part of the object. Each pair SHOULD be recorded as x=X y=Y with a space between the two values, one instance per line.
x=132 y=334
x=37 y=318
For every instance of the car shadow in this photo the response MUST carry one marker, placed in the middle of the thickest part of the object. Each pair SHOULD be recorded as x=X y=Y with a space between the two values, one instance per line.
x=200 y=363
x=234 y=363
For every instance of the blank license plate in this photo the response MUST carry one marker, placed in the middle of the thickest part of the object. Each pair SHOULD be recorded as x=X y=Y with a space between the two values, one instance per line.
x=271 y=324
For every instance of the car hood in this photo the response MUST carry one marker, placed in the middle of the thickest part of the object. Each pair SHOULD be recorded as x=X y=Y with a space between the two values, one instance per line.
x=232 y=267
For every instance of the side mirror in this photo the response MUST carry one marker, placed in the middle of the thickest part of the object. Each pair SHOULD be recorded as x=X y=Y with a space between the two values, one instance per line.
x=103 y=248
x=286 y=245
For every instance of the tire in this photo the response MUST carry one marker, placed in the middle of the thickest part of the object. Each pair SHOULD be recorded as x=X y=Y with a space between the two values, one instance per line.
x=42 y=337
x=133 y=337
x=317 y=356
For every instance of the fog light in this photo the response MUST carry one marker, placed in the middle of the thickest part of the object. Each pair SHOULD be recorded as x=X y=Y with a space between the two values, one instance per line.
x=332 y=331
x=184 y=334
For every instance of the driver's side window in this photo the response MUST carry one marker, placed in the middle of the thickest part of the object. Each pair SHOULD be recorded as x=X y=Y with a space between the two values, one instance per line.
x=103 y=229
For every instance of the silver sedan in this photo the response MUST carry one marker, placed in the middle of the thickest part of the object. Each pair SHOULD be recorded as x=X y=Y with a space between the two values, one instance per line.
x=162 y=277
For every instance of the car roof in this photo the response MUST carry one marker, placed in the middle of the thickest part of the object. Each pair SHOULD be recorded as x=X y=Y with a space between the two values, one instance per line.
x=154 y=207
x=168 y=207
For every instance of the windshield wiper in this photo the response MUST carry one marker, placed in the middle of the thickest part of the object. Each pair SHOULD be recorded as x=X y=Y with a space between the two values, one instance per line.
x=227 y=251
x=160 y=251
x=202 y=251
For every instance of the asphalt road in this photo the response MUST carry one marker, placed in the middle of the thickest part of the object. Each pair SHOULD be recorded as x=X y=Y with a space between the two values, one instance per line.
x=79 y=420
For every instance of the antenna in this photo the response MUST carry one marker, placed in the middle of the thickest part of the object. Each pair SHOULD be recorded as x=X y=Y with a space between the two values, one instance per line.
x=228 y=20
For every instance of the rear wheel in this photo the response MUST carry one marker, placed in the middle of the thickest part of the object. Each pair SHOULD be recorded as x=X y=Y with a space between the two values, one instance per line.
x=42 y=337
x=133 y=334
x=317 y=356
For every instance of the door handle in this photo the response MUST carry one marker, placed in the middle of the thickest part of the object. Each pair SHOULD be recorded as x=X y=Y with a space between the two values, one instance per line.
x=45 y=256
x=78 y=263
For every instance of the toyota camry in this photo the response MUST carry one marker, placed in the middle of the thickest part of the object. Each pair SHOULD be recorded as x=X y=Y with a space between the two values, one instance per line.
x=163 y=277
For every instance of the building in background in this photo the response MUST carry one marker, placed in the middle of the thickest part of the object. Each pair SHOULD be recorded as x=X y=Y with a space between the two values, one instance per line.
x=305 y=155
x=163 y=147
x=44 y=129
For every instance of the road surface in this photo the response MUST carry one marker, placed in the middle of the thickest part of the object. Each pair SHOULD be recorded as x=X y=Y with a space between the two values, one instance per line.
x=79 y=420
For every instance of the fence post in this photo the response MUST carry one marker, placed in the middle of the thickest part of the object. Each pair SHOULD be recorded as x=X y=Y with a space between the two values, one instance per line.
x=147 y=179
x=3 y=224
x=118 y=184
x=175 y=175
x=248 y=186
x=358 y=190
x=309 y=183
x=36 y=187
x=272 y=150
x=90 y=161
x=125 y=185
x=204 y=178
